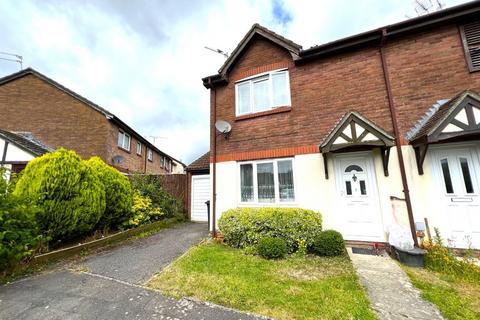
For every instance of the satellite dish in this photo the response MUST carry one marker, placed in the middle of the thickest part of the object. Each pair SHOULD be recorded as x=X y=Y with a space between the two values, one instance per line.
x=224 y=127
x=118 y=159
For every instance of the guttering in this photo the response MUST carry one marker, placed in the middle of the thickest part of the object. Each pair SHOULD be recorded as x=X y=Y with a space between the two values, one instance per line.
x=213 y=102
x=397 y=136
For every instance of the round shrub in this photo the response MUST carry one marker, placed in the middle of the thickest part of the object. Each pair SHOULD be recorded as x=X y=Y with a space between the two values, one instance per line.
x=272 y=248
x=329 y=243
x=69 y=194
x=118 y=194
x=243 y=227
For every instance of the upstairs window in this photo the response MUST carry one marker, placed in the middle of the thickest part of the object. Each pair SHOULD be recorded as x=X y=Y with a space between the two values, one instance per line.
x=139 y=148
x=124 y=140
x=162 y=161
x=263 y=92
x=150 y=155
x=471 y=42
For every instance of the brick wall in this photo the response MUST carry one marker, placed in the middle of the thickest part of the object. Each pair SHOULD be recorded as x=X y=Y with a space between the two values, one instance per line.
x=424 y=68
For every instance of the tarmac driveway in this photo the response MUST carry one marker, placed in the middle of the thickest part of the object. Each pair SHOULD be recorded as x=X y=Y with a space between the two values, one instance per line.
x=110 y=285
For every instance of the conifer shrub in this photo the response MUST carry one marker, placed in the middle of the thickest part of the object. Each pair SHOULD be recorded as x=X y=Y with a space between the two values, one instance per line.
x=118 y=194
x=69 y=194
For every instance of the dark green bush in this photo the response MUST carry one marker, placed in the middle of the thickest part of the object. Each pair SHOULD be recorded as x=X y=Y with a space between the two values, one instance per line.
x=151 y=186
x=272 y=248
x=244 y=227
x=118 y=194
x=69 y=194
x=329 y=243
x=19 y=233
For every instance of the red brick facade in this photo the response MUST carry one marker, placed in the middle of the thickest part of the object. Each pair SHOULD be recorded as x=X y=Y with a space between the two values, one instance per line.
x=424 y=67
x=58 y=119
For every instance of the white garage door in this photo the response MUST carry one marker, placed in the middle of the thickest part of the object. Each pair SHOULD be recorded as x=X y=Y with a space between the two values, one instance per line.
x=200 y=194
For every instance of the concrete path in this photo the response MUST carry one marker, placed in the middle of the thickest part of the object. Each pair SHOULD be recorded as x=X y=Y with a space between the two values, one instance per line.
x=109 y=285
x=391 y=293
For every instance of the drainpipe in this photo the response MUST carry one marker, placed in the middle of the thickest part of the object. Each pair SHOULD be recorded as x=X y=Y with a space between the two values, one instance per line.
x=213 y=101
x=397 y=136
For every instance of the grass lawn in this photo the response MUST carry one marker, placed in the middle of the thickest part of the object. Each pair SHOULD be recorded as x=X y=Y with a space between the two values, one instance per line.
x=293 y=288
x=455 y=298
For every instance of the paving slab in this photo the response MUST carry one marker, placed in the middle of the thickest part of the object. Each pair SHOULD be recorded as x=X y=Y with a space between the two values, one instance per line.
x=391 y=293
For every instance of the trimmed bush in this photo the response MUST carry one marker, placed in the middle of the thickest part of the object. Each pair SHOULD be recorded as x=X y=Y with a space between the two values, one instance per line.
x=244 y=227
x=118 y=194
x=272 y=248
x=329 y=243
x=69 y=194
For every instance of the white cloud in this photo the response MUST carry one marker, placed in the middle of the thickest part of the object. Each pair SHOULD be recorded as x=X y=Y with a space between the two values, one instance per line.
x=144 y=60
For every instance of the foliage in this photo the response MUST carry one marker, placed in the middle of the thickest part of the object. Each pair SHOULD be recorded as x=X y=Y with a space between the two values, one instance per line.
x=68 y=192
x=302 y=247
x=272 y=248
x=297 y=287
x=143 y=212
x=19 y=234
x=118 y=194
x=442 y=259
x=329 y=243
x=151 y=186
x=243 y=227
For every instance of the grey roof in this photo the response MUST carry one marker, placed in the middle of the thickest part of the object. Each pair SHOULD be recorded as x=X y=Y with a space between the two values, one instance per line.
x=110 y=116
x=26 y=141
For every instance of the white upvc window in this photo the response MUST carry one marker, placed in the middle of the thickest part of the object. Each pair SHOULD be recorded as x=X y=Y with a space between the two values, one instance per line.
x=150 y=154
x=123 y=140
x=139 y=148
x=267 y=182
x=262 y=92
x=162 y=161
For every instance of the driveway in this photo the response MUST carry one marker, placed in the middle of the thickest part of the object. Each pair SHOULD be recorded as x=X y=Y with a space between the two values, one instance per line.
x=109 y=285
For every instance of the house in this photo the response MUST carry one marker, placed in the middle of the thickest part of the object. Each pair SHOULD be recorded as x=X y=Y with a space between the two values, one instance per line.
x=198 y=188
x=18 y=148
x=378 y=129
x=59 y=117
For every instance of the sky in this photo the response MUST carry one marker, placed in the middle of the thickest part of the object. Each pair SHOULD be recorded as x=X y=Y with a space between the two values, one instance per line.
x=143 y=60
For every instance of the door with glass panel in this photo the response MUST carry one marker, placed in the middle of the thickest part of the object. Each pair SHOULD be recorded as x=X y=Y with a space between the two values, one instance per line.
x=267 y=182
x=458 y=172
x=358 y=209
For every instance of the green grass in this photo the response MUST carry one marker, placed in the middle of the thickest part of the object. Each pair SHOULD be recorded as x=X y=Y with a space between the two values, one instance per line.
x=293 y=288
x=454 y=297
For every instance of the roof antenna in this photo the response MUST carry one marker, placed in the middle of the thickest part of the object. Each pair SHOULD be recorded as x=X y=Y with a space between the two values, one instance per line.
x=426 y=6
x=223 y=53
x=16 y=58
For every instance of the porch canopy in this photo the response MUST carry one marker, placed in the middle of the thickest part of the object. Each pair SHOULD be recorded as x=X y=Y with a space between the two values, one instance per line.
x=454 y=120
x=354 y=132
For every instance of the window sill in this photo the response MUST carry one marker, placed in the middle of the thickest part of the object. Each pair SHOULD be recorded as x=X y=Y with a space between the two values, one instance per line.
x=264 y=113
x=123 y=149
x=139 y=154
x=267 y=205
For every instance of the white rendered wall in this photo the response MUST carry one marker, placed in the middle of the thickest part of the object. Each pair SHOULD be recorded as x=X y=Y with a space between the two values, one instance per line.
x=14 y=153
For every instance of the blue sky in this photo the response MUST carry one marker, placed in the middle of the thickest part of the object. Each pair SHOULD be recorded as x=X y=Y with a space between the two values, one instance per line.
x=144 y=60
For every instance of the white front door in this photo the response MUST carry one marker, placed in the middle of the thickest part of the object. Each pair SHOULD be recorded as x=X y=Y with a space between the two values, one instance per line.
x=358 y=210
x=459 y=189
x=200 y=194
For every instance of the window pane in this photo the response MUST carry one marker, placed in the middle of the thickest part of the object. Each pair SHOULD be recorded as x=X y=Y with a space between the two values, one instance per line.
x=466 y=175
x=348 y=187
x=280 y=89
x=446 y=176
x=246 y=182
x=243 y=98
x=265 y=182
x=285 y=181
x=261 y=95
x=352 y=167
x=363 y=188
x=120 y=139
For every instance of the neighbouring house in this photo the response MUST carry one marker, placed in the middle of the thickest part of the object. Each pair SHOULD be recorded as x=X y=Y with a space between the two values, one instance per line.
x=59 y=117
x=18 y=148
x=198 y=188
x=378 y=129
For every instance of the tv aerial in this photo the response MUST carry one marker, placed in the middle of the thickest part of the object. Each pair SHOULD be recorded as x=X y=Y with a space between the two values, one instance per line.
x=13 y=58
x=224 y=127
x=223 y=53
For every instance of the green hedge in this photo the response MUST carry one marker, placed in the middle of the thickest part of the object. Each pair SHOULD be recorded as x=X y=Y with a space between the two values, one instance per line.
x=272 y=248
x=68 y=192
x=118 y=194
x=329 y=243
x=244 y=227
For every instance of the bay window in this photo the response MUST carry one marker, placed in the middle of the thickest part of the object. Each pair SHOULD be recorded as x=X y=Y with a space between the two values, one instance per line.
x=269 y=181
x=263 y=92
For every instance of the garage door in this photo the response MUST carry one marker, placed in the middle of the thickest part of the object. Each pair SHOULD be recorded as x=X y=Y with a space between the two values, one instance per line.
x=200 y=194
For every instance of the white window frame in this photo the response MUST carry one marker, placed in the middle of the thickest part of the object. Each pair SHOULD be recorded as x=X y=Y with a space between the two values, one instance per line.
x=139 y=148
x=251 y=80
x=255 y=202
x=150 y=154
x=124 y=136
